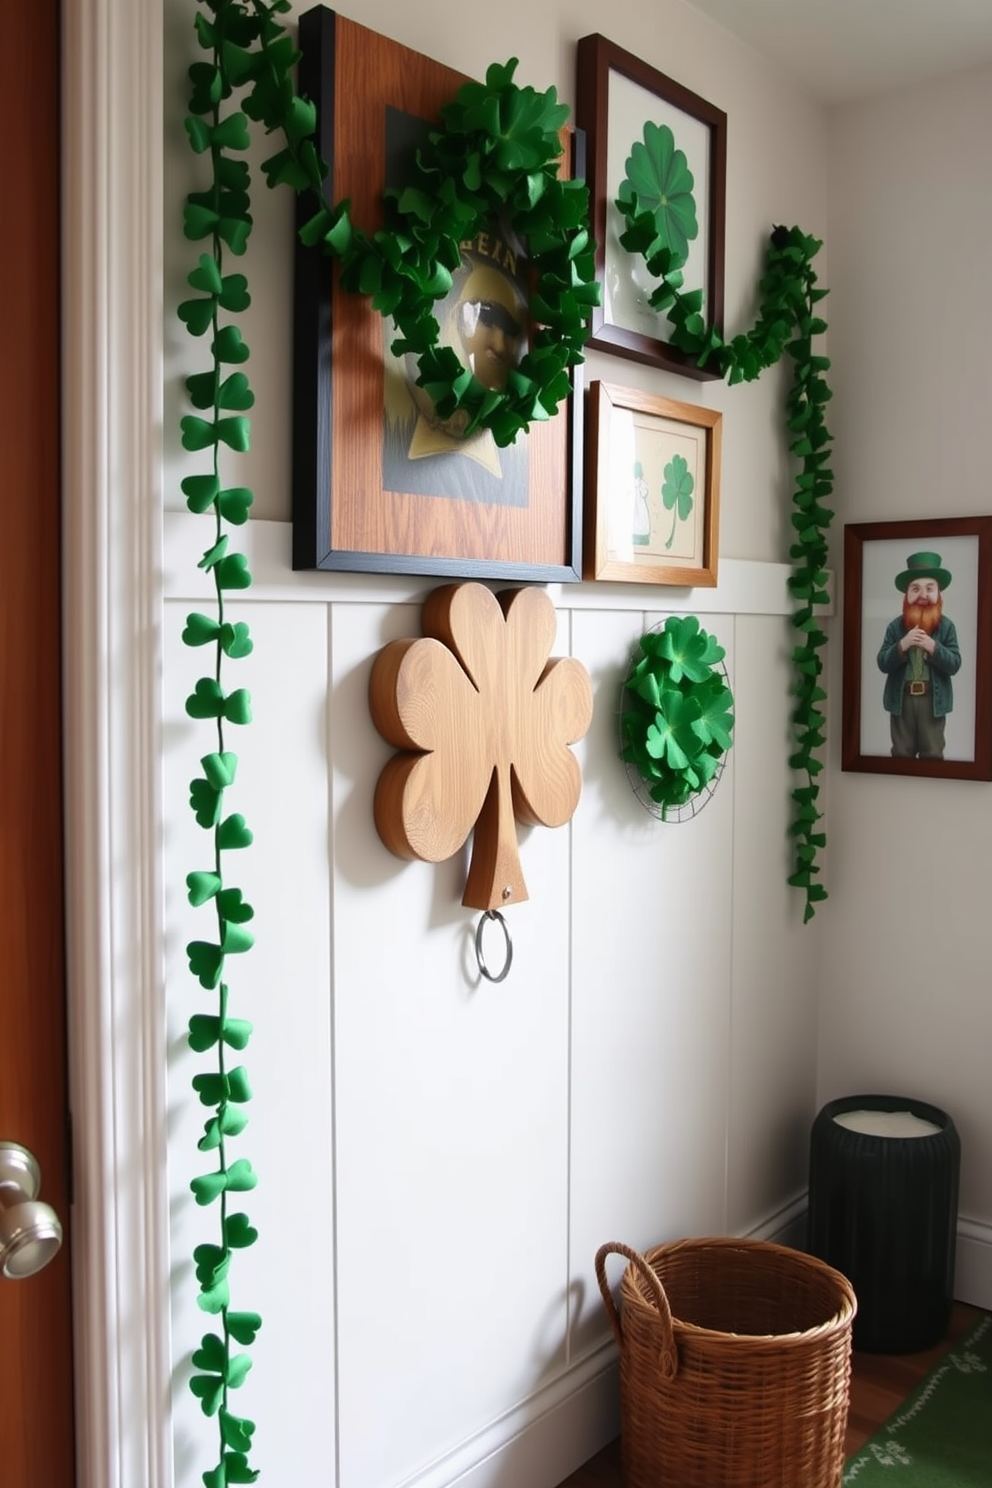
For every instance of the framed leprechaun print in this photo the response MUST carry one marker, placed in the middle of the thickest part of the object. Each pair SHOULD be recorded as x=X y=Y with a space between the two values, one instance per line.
x=918 y=648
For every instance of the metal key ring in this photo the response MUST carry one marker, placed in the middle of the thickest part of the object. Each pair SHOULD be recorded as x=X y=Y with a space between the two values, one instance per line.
x=493 y=914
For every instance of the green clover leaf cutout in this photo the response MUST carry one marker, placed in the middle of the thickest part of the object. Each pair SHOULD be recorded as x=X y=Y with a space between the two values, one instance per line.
x=236 y=1431
x=239 y=1234
x=676 y=720
x=676 y=492
x=688 y=649
x=243 y=1326
x=658 y=175
x=209 y=1390
x=716 y=720
x=671 y=737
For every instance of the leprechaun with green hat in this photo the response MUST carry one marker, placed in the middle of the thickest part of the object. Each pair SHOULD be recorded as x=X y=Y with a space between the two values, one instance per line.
x=919 y=656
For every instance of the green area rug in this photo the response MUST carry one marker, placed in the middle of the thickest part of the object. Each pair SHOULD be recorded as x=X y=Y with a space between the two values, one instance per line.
x=941 y=1437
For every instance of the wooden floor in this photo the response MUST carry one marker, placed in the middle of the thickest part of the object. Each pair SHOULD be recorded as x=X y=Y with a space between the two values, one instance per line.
x=879 y=1385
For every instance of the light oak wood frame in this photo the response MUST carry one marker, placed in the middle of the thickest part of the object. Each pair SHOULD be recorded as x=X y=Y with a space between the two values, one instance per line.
x=606 y=403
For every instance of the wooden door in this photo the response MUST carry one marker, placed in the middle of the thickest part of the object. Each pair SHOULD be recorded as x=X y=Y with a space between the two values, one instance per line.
x=36 y=1436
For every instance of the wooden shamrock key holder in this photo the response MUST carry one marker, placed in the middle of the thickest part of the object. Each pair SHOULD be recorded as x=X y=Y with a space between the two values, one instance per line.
x=483 y=720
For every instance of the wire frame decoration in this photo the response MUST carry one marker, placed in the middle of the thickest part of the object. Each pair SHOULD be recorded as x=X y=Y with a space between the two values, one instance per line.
x=675 y=719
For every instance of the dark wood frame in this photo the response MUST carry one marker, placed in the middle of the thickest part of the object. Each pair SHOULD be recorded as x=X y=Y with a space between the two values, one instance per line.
x=342 y=517
x=597 y=58
x=916 y=535
x=600 y=561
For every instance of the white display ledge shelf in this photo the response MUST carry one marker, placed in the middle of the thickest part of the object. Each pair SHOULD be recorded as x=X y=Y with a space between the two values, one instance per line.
x=746 y=587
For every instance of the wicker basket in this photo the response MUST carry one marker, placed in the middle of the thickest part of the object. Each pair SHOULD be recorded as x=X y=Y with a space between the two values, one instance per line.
x=735 y=1365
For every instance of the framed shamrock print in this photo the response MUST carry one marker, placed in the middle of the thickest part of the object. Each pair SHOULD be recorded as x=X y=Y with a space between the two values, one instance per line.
x=651 y=138
x=652 y=488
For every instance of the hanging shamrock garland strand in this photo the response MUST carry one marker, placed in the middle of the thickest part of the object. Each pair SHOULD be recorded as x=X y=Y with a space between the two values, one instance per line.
x=220 y=214
x=495 y=158
x=655 y=201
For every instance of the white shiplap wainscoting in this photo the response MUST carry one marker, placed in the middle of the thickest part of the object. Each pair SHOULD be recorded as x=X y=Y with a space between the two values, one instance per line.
x=441 y=1158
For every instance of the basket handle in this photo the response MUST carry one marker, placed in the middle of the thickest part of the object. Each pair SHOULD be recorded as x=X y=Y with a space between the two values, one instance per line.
x=669 y=1349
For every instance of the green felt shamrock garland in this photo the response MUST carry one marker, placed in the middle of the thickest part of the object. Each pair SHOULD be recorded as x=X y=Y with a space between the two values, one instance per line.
x=677 y=718
x=495 y=157
x=222 y=397
x=655 y=201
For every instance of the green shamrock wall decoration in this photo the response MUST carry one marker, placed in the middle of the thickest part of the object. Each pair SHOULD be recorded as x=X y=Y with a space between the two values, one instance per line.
x=484 y=720
x=656 y=204
x=676 y=720
x=676 y=492
x=660 y=182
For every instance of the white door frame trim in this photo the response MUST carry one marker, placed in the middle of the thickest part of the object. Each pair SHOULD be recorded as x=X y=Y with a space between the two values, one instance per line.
x=112 y=166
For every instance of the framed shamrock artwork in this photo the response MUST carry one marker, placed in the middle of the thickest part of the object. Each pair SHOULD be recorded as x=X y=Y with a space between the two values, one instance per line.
x=661 y=147
x=652 y=488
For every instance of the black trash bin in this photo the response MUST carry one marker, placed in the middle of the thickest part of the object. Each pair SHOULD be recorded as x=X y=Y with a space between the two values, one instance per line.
x=883 y=1211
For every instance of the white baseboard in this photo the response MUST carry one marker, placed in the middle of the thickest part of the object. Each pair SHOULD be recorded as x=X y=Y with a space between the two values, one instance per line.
x=542 y=1440
x=787 y=1226
x=558 y=1428
x=973 y=1257
x=973 y=1268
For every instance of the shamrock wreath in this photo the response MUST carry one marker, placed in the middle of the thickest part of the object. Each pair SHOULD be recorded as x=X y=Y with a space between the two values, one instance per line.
x=494 y=161
x=676 y=716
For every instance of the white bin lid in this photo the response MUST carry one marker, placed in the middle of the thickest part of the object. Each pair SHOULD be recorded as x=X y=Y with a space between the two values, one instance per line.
x=887 y=1123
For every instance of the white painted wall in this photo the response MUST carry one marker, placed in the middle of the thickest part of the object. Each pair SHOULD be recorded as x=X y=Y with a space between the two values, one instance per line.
x=440 y=1158
x=904 y=992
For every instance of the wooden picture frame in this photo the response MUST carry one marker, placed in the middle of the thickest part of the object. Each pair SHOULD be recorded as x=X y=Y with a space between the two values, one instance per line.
x=378 y=485
x=616 y=94
x=649 y=518
x=897 y=711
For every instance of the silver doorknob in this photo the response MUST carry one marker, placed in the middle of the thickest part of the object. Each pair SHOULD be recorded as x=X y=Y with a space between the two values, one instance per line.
x=30 y=1233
